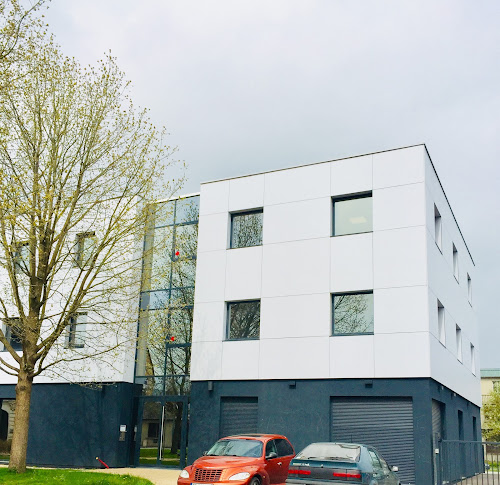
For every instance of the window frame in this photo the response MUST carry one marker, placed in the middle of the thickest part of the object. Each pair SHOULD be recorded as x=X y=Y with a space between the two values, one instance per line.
x=21 y=265
x=71 y=335
x=469 y=289
x=343 y=198
x=259 y=210
x=458 y=338
x=438 y=229
x=228 y=320
x=9 y=334
x=80 y=248
x=456 y=265
x=441 y=315
x=345 y=293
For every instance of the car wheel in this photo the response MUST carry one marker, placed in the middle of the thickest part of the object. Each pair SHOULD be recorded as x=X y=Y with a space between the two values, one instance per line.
x=254 y=481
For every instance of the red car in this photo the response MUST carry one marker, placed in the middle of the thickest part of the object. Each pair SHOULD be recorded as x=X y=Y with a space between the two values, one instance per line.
x=253 y=459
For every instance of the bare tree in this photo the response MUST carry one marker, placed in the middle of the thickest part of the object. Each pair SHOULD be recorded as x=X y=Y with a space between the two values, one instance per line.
x=77 y=164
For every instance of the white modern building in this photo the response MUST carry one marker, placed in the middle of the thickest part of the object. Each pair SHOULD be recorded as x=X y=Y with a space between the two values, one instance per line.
x=334 y=301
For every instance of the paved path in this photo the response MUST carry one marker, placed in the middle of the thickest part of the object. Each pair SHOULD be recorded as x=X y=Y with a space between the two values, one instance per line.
x=159 y=476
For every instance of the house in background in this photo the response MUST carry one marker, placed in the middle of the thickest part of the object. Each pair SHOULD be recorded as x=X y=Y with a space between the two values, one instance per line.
x=333 y=302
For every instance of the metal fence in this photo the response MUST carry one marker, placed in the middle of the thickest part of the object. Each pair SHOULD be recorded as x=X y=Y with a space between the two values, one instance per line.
x=467 y=462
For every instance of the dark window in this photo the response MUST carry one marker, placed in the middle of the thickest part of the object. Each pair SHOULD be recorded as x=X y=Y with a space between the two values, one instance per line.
x=283 y=447
x=352 y=215
x=246 y=229
x=153 y=430
x=85 y=245
x=243 y=320
x=271 y=448
x=352 y=313
x=13 y=333
x=75 y=338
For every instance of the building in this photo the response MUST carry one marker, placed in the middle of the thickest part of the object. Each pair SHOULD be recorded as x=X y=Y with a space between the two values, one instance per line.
x=334 y=302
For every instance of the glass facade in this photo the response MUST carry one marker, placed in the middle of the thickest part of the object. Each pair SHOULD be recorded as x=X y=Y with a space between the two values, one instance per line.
x=167 y=298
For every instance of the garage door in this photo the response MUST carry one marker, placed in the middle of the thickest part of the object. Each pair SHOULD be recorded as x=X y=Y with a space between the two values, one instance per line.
x=238 y=415
x=386 y=424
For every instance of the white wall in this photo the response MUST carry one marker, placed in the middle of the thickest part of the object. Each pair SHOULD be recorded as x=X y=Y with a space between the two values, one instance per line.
x=300 y=265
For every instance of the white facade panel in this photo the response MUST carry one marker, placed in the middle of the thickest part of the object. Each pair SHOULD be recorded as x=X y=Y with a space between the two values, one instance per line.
x=210 y=276
x=296 y=316
x=209 y=319
x=240 y=360
x=399 y=257
x=293 y=221
x=352 y=357
x=294 y=358
x=213 y=232
x=243 y=273
x=352 y=175
x=296 y=268
x=214 y=198
x=398 y=167
x=302 y=183
x=351 y=263
x=206 y=361
x=246 y=193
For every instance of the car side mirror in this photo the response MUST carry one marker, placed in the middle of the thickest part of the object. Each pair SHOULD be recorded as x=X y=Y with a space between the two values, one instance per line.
x=272 y=455
x=395 y=468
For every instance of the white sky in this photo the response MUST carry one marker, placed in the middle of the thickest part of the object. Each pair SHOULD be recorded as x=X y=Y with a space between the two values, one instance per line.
x=250 y=85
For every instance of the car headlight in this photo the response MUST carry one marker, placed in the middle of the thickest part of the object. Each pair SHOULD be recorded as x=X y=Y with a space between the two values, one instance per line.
x=184 y=474
x=240 y=476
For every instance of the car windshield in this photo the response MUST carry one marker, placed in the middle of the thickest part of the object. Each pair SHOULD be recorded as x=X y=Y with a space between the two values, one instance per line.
x=236 y=447
x=331 y=451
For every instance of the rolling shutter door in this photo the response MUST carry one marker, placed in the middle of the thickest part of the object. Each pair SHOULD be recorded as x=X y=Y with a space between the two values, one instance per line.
x=238 y=415
x=384 y=423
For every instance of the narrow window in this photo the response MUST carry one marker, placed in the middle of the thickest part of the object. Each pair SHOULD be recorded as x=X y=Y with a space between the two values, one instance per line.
x=352 y=215
x=20 y=256
x=352 y=313
x=473 y=358
x=458 y=333
x=85 y=245
x=75 y=337
x=438 y=237
x=246 y=229
x=455 y=263
x=243 y=320
x=469 y=288
x=13 y=332
x=441 y=323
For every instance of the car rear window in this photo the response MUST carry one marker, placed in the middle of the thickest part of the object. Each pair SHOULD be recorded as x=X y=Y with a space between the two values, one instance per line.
x=236 y=447
x=331 y=451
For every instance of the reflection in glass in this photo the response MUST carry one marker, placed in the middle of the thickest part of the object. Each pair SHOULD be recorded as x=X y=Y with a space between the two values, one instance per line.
x=164 y=213
x=246 y=229
x=243 y=320
x=187 y=210
x=353 y=313
x=352 y=216
x=186 y=241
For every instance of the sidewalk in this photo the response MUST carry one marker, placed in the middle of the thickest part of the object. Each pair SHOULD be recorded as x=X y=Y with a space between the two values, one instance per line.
x=159 y=476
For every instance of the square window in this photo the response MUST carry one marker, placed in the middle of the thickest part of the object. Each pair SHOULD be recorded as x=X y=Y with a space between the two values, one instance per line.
x=246 y=229
x=85 y=245
x=243 y=320
x=458 y=334
x=352 y=313
x=438 y=237
x=441 y=323
x=455 y=263
x=352 y=215
x=75 y=337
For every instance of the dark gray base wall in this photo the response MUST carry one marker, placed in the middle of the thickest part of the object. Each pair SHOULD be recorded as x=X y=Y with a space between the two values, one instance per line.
x=301 y=410
x=71 y=424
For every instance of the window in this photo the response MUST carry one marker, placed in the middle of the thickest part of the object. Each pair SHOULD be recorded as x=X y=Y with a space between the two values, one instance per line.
x=12 y=332
x=496 y=385
x=473 y=359
x=455 y=263
x=75 y=337
x=469 y=288
x=85 y=244
x=352 y=313
x=458 y=333
x=20 y=256
x=283 y=447
x=352 y=215
x=246 y=229
x=243 y=320
x=271 y=448
x=438 y=235
x=441 y=323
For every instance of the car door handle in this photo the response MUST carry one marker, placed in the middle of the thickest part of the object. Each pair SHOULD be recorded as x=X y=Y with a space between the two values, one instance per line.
x=279 y=463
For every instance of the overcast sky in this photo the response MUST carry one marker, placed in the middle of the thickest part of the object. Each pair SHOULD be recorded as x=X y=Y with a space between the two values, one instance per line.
x=248 y=85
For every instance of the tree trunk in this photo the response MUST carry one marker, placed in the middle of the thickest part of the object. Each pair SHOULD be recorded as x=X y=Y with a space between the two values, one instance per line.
x=19 y=446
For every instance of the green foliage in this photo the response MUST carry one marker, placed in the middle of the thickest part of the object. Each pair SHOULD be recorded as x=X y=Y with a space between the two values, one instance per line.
x=491 y=410
x=38 y=476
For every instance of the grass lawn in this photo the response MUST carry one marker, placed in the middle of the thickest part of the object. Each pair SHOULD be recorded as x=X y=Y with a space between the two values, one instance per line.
x=148 y=457
x=73 y=477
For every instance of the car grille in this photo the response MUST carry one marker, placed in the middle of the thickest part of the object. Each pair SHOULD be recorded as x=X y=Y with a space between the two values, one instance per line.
x=202 y=475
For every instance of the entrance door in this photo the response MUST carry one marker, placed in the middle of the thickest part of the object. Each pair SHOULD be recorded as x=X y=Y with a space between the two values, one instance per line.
x=161 y=438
